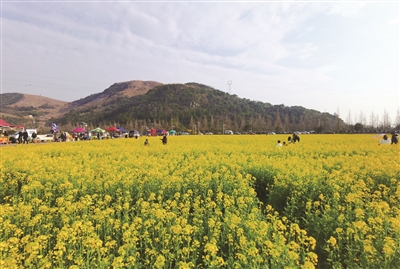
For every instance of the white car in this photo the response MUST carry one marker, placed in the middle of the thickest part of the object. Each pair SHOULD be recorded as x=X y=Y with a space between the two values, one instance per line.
x=14 y=137
x=44 y=138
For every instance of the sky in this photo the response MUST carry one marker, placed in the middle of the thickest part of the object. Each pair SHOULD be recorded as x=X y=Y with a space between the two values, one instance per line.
x=332 y=56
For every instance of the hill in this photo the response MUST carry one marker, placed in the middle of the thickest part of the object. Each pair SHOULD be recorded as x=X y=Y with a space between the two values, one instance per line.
x=20 y=108
x=190 y=106
x=117 y=90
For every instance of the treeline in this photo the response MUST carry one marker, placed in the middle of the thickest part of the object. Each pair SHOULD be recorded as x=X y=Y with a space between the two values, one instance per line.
x=193 y=106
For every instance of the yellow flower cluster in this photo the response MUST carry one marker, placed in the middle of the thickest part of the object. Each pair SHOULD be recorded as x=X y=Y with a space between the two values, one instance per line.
x=201 y=202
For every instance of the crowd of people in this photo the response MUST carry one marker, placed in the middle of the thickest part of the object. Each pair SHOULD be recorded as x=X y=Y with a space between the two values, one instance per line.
x=291 y=140
x=384 y=141
x=23 y=138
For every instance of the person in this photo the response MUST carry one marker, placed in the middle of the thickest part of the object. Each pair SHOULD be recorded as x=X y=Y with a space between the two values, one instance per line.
x=395 y=138
x=289 y=140
x=19 y=137
x=25 y=137
x=146 y=143
x=284 y=143
x=279 y=144
x=296 y=138
x=385 y=141
x=164 y=139
x=34 y=137
x=5 y=134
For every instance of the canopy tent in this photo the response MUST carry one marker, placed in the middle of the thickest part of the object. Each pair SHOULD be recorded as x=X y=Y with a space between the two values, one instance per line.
x=78 y=130
x=172 y=132
x=122 y=129
x=152 y=132
x=98 y=130
x=3 y=123
x=113 y=129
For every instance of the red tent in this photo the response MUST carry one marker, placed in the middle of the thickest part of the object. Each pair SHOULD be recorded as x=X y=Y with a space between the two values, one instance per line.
x=3 y=123
x=112 y=129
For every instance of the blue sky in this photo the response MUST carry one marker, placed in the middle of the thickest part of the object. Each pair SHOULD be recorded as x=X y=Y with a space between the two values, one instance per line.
x=329 y=56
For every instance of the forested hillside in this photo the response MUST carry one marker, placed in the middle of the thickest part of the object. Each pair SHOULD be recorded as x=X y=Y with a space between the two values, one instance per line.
x=195 y=106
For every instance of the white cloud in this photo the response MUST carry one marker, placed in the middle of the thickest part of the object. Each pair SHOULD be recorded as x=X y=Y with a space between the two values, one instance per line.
x=292 y=53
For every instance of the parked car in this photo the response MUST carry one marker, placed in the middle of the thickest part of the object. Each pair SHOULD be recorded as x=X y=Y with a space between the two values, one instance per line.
x=14 y=137
x=44 y=138
x=134 y=133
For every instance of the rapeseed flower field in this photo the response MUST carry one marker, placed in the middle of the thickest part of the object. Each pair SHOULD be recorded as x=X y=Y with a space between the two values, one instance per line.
x=329 y=201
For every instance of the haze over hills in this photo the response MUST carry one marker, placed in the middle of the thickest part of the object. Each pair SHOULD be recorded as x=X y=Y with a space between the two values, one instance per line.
x=145 y=104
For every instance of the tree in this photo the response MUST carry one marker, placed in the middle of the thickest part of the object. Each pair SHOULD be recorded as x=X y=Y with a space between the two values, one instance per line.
x=372 y=120
x=287 y=123
x=358 y=127
x=269 y=122
x=349 y=122
x=191 y=124
x=242 y=125
x=278 y=123
x=205 y=124
x=385 y=121
x=397 y=121
x=177 y=124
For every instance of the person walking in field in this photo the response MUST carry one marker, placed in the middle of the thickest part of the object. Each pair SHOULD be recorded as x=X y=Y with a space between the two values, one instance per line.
x=146 y=143
x=164 y=139
x=395 y=138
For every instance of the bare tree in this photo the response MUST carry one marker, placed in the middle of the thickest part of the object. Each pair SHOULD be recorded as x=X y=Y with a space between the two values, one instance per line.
x=385 y=120
x=205 y=124
x=278 y=123
x=397 y=121
x=242 y=124
x=337 y=118
x=348 y=120
x=287 y=123
x=372 y=122
x=212 y=124
x=362 y=118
